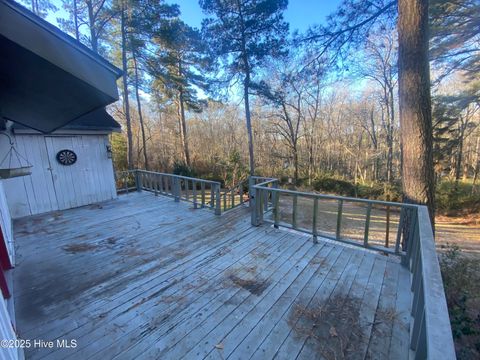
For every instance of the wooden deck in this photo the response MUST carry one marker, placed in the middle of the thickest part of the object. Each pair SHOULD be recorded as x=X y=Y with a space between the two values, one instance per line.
x=145 y=277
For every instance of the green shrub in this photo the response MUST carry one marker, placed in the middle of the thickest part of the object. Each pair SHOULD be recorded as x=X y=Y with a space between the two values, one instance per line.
x=380 y=191
x=451 y=200
x=461 y=279
x=180 y=168
x=335 y=186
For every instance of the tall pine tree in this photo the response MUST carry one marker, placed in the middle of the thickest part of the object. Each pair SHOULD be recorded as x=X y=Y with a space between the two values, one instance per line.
x=243 y=34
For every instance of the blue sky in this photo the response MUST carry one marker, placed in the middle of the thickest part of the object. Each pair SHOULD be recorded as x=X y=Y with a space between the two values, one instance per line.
x=300 y=14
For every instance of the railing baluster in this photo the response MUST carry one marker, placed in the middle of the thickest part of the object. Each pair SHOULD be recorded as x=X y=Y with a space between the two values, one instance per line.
x=212 y=196
x=241 y=192
x=400 y=229
x=367 y=225
x=218 y=206
x=294 y=212
x=276 y=209
x=260 y=199
x=224 y=201
x=202 y=189
x=314 y=222
x=339 y=219
x=232 y=196
x=194 y=190
x=387 y=235
x=265 y=201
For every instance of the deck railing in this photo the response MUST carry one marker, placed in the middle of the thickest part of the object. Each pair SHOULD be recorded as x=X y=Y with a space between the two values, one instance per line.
x=330 y=216
x=430 y=334
x=431 y=337
x=201 y=193
x=235 y=196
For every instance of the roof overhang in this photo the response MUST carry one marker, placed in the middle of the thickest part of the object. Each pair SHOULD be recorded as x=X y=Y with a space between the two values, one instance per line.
x=48 y=79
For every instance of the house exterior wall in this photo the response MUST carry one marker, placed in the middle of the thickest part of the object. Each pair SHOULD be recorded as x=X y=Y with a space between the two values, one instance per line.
x=53 y=186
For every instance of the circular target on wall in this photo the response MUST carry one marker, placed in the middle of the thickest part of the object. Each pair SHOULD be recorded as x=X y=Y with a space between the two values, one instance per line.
x=66 y=157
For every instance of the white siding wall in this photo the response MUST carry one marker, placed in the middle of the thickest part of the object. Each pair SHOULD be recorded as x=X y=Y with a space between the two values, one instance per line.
x=53 y=186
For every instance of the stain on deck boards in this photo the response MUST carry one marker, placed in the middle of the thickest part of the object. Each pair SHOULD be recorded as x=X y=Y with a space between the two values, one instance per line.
x=254 y=286
x=79 y=247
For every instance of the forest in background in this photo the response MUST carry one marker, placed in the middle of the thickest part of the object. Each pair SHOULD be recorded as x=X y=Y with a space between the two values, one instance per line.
x=324 y=110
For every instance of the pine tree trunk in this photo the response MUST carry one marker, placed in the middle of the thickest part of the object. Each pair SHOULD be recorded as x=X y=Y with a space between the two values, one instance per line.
x=415 y=104
x=476 y=165
x=183 y=128
x=91 y=26
x=126 y=103
x=390 y=136
x=140 y=114
x=459 y=158
x=246 y=87
x=75 y=20
x=295 y=164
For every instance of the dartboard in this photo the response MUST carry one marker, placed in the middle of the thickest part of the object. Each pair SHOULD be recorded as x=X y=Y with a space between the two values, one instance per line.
x=66 y=157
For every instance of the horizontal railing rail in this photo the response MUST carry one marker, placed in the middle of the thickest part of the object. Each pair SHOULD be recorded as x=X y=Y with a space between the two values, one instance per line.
x=200 y=192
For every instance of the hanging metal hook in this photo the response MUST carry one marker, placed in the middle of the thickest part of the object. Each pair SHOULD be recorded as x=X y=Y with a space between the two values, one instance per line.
x=8 y=136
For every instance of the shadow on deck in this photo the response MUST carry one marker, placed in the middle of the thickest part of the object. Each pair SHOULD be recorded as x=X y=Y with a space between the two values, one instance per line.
x=146 y=277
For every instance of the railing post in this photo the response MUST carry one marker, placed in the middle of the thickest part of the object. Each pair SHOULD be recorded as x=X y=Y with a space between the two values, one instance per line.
x=367 y=225
x=276 y=209
x=194 y=193
x=218 y=205
x=314 y=224
x=294 y=211
x=138 y=180
x=252 y=193
x=202 y=189
x=339 y=219
x=176 y=189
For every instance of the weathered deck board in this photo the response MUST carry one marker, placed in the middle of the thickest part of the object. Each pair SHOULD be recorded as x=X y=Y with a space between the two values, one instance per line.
x=146 y=277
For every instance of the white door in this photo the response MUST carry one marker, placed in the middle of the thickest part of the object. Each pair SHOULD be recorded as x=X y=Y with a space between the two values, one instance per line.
x=86 y=180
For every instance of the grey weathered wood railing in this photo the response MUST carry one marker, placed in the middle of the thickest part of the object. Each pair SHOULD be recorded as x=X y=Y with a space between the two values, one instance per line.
x=431 y=337
x=202 y=193
x=269 y=201
x=235 y=196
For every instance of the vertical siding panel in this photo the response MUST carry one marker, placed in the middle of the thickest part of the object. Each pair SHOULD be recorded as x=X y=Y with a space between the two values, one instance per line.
x=78 y=172
x=95 y=170
x=45 y=163
x=109 y=177
x=32 y=201
x=91 y=171
x=39 y=186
